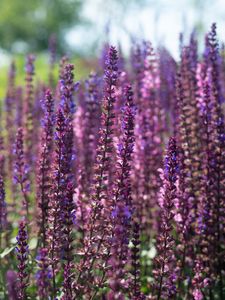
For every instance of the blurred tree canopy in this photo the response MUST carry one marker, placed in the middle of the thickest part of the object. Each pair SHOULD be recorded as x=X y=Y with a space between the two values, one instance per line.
x=29 y=24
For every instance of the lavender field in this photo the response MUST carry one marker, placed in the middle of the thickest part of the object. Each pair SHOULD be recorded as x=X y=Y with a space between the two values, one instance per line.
x=114 y=187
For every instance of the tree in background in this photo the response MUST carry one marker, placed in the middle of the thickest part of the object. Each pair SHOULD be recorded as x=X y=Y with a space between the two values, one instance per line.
x=27 y=25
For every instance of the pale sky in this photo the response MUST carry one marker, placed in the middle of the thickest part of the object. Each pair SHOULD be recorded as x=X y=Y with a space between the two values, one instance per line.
x=160 y=21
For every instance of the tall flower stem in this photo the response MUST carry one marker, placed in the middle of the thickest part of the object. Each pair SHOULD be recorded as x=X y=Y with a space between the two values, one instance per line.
x=21 y=170
x=164 y=263
x=22 y=256
x=101 y=170
x=44 y=182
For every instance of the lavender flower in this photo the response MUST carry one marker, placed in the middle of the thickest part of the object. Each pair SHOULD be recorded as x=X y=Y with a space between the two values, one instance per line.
x=3 y=209
x=45 y=165
x=58 y=190
x=138 y=68
x=149 y=137
x=122 y=202
x=21 y=170
x=22 y=250
x=91 y=126
x=135 y=260
x=67 y=91
x=203 y=264
x=61 y=204
x=12 y=284
x=63 y=62
x=19 y=107
x=218 y=129
x=185 y=198
x=167 y=66
x=188 y=132
x=86 y=128
x=165 y=263
x=3 y=206
x=99 y=217
x=43 y=274
x=67 y=246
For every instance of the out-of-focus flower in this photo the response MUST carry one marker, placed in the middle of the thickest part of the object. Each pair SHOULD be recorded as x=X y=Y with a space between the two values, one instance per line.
x=21 y=169
x=43 y=275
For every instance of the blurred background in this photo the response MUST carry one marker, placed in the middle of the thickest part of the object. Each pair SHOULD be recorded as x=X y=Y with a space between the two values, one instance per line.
x=81 y=27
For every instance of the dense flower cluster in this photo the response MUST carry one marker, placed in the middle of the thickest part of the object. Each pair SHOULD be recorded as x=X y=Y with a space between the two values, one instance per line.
x=44 y=181
x=21 y=169
x=165 y=262
x=120 y=179
x=3 y=209
x=43 y=274
x=22 y=250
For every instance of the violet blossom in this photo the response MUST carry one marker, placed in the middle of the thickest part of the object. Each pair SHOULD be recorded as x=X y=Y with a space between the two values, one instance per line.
x=22 y=250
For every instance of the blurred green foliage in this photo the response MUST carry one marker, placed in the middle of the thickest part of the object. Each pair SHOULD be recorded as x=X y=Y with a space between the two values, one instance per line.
x=41 y=64
x=29 y=24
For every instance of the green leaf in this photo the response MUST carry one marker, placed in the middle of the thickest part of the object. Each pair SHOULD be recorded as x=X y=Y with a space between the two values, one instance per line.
x=6 y=251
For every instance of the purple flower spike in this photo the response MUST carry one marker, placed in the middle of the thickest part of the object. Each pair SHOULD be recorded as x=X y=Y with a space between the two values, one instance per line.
x=87 y=123
x=97 y=237
x=149 y=132
x=135 y=292
x=61 y=212
x=21 y=170
x=67 y=246
x=3 y=209
x=22 y=251
x=67 y=91
x=43 y=275
x=165 y=263
x=12 y=284
x=122 y=202
x=44 y=182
